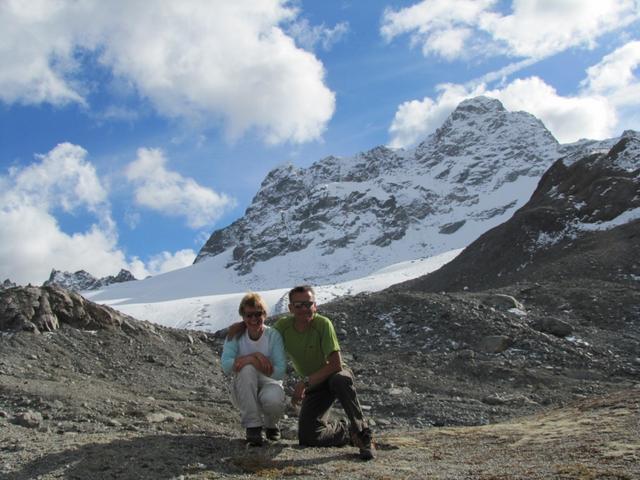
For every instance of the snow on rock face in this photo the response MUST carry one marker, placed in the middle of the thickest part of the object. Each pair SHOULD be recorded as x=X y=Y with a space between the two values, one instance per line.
x=350 y=216
x=82 y=280
x=582 y=221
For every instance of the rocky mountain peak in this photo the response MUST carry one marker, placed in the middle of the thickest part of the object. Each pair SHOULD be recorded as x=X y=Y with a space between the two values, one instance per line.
x=344 y=217
x=582 y=221
x=7 y=284
x=82 y=280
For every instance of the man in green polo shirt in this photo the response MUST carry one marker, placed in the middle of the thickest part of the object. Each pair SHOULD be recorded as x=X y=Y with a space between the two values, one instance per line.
x=311 y=343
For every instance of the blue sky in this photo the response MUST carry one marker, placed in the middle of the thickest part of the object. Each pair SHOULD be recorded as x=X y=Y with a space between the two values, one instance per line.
x=130 y=130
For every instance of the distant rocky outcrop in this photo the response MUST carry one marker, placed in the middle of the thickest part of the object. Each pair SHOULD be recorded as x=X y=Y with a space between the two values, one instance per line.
x=45 y=309
x=82 y=280
x=7 y=284
x=342 y=218
x=582 y=221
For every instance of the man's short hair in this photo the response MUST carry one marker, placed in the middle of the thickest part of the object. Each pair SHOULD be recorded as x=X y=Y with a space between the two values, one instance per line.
x=301 y=289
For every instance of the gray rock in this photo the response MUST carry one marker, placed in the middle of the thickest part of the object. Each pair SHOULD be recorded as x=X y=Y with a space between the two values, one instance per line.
x=495 y=343
x=43 y=309
x=161 y=417
x=553 y=326
x=502 y=302
x=28 y=419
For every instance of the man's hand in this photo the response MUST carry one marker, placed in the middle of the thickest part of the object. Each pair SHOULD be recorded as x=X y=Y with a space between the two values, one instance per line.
x=235 y=329
x=298 y=393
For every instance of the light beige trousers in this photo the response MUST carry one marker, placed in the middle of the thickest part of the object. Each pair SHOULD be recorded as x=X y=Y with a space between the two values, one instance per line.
x=259 y=398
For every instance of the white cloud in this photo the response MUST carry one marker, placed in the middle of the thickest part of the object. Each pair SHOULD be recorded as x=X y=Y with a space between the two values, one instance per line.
x=415 y=119
x=533 y=29
x=31 y=240
x=62 y=178
x=568 y=118
x=166 y=261
x=172 y=194
x=32 y=243
x=615 y=76
x=205 y=60
x=308 y=36
x=538 y=28
x=431 y=22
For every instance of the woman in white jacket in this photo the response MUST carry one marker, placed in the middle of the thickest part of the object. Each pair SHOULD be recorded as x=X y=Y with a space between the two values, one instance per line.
x=256 y=359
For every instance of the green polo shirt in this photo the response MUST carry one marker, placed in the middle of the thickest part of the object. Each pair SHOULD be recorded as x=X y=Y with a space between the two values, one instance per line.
x=308 y=350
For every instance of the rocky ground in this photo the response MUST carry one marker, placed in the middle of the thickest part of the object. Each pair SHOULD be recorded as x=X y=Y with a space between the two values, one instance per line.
x=531 y=381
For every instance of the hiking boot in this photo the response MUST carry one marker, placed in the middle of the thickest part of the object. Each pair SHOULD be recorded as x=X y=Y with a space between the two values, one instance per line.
x=254 y=436
x=364 y=441
x=273 y=434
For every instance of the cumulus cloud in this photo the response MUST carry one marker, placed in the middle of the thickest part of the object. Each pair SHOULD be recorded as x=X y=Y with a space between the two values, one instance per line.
x=206 y=60
x=167 y=261
x=172 y=194
x=615 y=76
x=415 y=119
x=606 y=98
x=432 y=23
x=568 y=118
x=534 y=29
x=62 y=178
x=31 y=240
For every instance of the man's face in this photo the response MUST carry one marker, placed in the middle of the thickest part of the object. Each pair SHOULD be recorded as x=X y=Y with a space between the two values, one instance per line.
x=303 y=306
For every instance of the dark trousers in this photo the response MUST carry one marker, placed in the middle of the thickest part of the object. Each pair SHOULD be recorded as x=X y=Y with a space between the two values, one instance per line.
x=314 y=426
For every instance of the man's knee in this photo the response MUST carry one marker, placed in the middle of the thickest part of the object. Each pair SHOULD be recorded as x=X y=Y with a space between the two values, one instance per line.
x=341 y=380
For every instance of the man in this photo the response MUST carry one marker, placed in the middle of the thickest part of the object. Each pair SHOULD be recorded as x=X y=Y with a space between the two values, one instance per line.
x=255 y=356
x=311 y=343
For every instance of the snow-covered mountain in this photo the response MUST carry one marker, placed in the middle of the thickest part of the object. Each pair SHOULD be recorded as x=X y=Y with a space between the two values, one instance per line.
x=583 y=221
x=344 y=223
x=342 y=218
x=82 y=280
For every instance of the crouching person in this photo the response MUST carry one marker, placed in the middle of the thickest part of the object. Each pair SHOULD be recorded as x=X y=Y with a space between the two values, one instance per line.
x=255 y=358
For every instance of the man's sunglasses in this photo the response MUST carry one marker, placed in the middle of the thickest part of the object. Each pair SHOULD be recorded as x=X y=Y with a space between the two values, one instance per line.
x=302 y=304
x=256 y=314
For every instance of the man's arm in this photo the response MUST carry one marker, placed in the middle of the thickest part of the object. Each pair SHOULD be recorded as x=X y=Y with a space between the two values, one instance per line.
x=235 y=330
x=333 y=365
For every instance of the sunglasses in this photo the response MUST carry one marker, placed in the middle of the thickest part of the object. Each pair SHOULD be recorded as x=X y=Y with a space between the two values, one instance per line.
x=256 y=314
x=302 y=304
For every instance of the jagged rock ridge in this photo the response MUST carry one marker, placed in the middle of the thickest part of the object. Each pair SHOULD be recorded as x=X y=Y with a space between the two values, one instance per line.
x=82 y=280
x=346 y=217
x=45 y=309
x=7 y=284
x=583 y=220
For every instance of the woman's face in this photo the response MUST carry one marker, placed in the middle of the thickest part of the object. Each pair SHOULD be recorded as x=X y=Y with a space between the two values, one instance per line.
x=253 y=318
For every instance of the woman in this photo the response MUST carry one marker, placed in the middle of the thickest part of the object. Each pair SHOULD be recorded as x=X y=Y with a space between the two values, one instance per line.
x=257 y=361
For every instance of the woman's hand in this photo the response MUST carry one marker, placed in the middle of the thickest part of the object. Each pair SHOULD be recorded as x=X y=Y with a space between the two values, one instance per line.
x=258 y=360
x=264 y=364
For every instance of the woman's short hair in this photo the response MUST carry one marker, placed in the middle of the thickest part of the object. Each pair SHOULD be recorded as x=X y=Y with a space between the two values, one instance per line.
x=251 y=299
